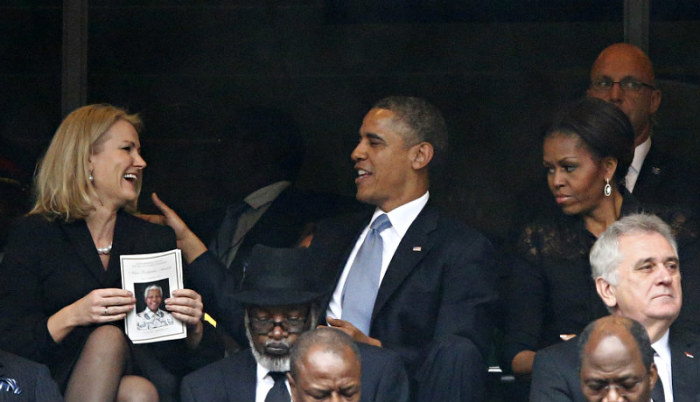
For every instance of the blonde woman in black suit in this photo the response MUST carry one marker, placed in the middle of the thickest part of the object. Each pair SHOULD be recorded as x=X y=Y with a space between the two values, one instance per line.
x=61 y=288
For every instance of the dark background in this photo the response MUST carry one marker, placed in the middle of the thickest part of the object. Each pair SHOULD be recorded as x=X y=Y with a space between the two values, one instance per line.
x=495 y=68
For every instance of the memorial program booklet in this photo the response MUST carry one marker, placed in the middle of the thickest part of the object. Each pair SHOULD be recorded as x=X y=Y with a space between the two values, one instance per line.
x=152 y=278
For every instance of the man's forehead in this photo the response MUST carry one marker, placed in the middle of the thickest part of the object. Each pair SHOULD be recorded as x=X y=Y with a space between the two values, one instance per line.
x=612 y=352
x=380 y=121
x=646 y=245
x=286 y=308
x=623 y=62
x=322 y=361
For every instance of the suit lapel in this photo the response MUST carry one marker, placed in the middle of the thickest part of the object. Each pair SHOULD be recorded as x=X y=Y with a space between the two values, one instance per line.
x=684 y=367
x=414 y=246
x=241 y=382
x=79 y=236
x=124 y=243
x=650 y=174
x=337 y=241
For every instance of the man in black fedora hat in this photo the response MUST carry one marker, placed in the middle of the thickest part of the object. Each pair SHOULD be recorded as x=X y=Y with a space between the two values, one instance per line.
x=280 y=292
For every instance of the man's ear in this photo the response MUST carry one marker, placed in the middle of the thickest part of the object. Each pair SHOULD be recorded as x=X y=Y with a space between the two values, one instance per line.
x=421 y=154
x=655 y=101
x=292 y=385
x=606 y=291
x=653 y=375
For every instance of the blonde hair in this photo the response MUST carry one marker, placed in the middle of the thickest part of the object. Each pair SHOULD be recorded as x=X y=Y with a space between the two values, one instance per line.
x=62 y=184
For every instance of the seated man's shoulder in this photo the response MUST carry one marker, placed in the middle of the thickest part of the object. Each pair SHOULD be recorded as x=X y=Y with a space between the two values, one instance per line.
x=31 y=377
x=565 y=354
x=378 y=357
x=555 y=373
x=8 y=359
x=232 y=365
x=457 y=228
x=384 y=376
x=453 y=233
x=684 y=335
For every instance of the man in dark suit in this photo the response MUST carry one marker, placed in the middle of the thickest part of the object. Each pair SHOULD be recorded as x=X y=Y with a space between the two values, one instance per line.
x=25 y=380
x=259 y=159
x=623 y=75
x=635 y=263
x=280 y=293
x=617 y=361
x=427 y=291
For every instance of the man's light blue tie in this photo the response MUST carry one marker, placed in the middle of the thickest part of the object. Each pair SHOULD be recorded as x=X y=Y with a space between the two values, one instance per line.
x=362 y=283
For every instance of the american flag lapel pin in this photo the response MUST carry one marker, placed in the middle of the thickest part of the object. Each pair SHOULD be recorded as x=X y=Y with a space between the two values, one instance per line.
x=690 y=355
x=655 y=170
x=417 y=248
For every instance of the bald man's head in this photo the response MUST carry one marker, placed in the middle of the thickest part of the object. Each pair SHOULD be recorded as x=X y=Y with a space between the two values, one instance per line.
x=616 y=361
x=623 y=75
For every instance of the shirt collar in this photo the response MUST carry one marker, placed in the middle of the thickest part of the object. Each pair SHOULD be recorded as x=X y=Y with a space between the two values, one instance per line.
x=267 y=194
x=402 y=217
x=262 y=372
x=640 y=153
x=662 y=348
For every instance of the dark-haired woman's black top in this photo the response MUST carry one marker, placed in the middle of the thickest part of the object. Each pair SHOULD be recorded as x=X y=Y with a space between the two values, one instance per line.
x=551 y=292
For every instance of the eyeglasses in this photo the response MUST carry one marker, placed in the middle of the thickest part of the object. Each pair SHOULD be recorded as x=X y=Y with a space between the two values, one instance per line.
x=292 y=325
x=627 y=84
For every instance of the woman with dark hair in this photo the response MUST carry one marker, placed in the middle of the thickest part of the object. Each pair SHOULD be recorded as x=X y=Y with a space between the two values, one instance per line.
x=551 y=297
x=61 y=280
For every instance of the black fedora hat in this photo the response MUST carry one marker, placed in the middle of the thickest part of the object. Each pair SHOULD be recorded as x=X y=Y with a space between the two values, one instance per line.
x=279 y=276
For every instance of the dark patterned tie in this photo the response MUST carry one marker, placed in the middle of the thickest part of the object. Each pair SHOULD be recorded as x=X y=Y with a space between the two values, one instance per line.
x=278 y=392
x=9 y=385
x=657 y=394
x=221 y=245
x=362 y=283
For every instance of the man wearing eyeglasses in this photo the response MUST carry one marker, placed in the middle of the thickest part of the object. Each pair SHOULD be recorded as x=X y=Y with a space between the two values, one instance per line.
x=280 y=293
x=623 y=75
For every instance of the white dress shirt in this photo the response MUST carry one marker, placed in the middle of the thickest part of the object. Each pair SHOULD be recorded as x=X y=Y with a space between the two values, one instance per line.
x=401 y=219
x=640 y=153
x=265 y=383
x=662 y=359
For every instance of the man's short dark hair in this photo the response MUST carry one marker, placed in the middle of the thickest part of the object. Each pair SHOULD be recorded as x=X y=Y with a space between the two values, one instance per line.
x=330 y=339
x=638 y=332
x=424 y=121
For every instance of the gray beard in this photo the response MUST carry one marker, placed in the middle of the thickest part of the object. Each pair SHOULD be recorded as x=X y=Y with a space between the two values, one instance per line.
x=275 y=363
x=271 y=363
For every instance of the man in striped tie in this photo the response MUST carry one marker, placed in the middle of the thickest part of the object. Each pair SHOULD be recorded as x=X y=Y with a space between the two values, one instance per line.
x=637 y=275
x=25 y=380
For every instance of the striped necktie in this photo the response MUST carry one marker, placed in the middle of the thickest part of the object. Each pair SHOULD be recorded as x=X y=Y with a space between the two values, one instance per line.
x=362 y=283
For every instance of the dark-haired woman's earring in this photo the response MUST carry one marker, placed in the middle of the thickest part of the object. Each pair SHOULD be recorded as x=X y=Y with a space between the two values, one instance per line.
x=607 y=190
x=90 y=177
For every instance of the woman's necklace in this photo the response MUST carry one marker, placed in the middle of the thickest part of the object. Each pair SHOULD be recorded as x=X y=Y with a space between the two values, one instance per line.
x=104 y=250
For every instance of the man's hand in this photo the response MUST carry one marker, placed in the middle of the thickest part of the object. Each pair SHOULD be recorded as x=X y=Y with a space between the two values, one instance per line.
x=191 y=246
x=351 y=330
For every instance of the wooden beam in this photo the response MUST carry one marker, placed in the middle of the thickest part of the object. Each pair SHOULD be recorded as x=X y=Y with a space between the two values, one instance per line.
x=74 y=66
